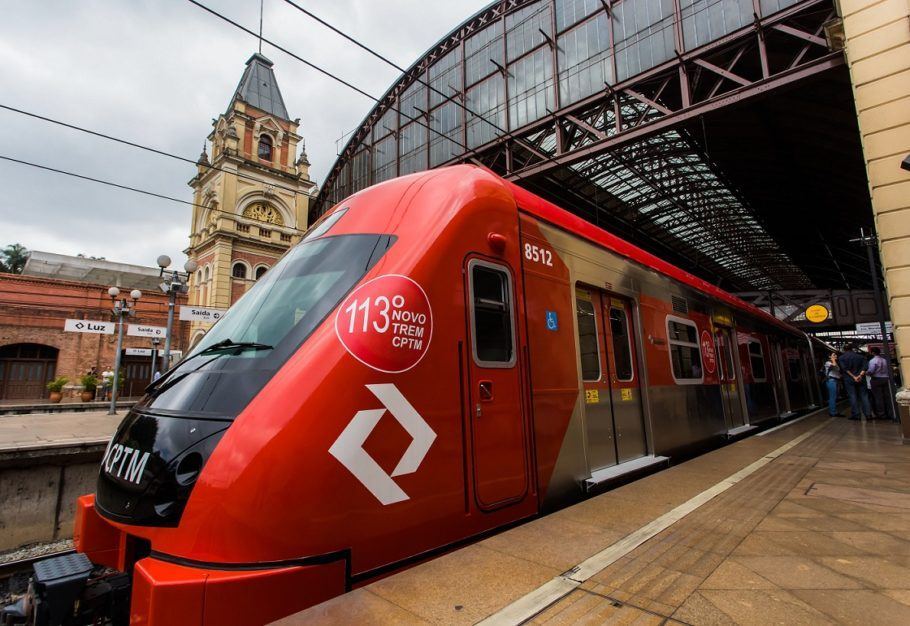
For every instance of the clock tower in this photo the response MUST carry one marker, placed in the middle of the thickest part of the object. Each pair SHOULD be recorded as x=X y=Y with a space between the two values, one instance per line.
x=252 y=195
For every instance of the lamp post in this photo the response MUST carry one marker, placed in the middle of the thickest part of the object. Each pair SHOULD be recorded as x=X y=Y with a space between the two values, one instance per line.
x=121 y=309
x=174 y=283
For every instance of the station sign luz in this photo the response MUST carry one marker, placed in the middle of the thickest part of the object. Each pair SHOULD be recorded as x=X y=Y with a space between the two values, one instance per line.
x=89 y=326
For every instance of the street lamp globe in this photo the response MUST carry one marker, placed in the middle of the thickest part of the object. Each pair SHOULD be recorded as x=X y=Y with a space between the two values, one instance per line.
x=113 y=292
x=190 y=266
x=164 y=261
x=135 y=294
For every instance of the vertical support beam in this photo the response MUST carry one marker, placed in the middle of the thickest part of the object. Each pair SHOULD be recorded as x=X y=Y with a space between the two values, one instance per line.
x=760 y=36
x=557 y=100
x=877 y=43
x=510 y=164
x=464 y=95
x=684 y=91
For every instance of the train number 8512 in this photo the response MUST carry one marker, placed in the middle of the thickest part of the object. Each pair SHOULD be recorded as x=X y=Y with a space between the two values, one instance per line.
x=538 y=254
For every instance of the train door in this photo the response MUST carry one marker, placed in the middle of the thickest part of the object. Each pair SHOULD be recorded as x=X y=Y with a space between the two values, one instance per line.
x=625 y=391
x=614 y=425
x=810 y=378
x=780 y=381
x=494 y=379
x=729 y=381
x=601 y=446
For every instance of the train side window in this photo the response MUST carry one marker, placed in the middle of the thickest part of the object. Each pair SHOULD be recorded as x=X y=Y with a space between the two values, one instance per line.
x=685 y=352
x=757 y=361
x=622 y=346
x=588 y=341
x=491 y=315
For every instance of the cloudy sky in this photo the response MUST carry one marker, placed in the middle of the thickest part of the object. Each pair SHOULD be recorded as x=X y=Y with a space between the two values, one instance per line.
x=156 y=72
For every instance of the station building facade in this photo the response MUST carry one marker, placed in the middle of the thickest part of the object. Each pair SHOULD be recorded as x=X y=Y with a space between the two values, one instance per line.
x=251 y=196
x=34 y=348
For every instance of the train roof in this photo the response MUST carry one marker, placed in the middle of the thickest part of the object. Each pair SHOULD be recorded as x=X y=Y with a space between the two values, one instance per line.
x=533 y=204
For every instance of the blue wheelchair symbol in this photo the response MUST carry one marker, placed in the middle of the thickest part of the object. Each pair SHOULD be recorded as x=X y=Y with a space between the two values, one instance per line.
x=552 y=321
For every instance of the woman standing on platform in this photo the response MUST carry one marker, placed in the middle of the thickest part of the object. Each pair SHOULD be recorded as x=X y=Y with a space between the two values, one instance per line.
x=832 y=381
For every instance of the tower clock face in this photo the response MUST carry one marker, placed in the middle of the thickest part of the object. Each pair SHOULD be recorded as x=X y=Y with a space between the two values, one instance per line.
x=263 y=213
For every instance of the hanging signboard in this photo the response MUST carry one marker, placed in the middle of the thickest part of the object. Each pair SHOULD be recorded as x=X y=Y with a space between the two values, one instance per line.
x=200 y=314
x=143 y=330
x=89 y=326
x=817 y=313
x=873 y=328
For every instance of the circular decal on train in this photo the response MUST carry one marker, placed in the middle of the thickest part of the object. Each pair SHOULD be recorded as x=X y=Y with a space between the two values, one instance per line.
x=708 y=355
x=386 y=323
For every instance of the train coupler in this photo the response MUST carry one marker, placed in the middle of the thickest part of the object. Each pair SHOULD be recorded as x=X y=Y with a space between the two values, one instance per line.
x=70 y=590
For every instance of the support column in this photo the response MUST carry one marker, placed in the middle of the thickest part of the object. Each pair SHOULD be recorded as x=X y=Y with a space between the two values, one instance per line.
x=878 y=54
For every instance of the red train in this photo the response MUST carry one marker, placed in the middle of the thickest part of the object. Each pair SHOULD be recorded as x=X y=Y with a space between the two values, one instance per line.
x=442 y=355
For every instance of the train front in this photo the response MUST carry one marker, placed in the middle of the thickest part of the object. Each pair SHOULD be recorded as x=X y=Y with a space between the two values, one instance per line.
x=279 y=458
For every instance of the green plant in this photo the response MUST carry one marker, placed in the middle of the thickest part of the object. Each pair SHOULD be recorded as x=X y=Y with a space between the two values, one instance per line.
x=14 y=258
x=57 y=384
x=89 y=382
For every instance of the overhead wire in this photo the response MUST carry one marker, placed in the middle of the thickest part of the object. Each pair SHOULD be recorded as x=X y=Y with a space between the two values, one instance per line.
x=446 y=97
x=470 y=151
x=449 y=97
x=328 y=74
x=165 y=153
x=139 y=191
x=140 y=146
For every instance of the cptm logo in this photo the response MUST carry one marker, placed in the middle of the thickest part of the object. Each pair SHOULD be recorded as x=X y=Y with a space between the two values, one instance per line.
x=348 y=448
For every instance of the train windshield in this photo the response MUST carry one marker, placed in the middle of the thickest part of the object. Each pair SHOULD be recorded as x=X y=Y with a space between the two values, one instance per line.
x=264 y=328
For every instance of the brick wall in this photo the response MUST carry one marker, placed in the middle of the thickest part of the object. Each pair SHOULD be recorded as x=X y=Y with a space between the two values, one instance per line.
x=33 y=310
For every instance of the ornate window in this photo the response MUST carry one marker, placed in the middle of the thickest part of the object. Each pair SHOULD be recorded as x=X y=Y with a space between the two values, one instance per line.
x=262 y=269
x=239 y=270
x=265 y=147
x=263 y=212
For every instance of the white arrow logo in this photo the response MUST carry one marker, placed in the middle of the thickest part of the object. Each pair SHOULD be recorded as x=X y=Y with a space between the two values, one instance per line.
x=348 y=448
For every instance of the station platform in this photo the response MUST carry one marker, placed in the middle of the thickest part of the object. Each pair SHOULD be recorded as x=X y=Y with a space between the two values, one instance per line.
x=46 y=462
x=806 y=523
x=21 y=433
x=21 y=407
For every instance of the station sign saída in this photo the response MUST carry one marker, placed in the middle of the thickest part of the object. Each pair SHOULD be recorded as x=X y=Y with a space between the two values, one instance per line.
x=201 y=314
x=144 y=330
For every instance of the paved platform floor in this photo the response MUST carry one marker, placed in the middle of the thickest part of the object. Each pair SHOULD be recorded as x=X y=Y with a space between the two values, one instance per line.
x=808 y=524
x=51 y=430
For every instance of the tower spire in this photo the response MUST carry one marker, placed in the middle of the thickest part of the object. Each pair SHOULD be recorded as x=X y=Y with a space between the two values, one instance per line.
x=261 y=8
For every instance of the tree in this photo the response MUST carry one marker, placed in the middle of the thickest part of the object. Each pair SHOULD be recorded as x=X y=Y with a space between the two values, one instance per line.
x=14 y=257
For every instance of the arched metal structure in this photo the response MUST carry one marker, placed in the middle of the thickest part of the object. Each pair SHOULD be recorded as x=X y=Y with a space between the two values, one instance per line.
x=591 y=102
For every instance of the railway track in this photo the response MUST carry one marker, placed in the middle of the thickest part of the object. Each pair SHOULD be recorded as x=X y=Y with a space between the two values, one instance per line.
x=18 y=566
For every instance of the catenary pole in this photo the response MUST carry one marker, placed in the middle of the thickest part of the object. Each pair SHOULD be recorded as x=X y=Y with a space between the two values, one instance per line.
x=870 y=242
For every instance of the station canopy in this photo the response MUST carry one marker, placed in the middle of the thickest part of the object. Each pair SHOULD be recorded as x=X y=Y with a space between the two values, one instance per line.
x=721 y=138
